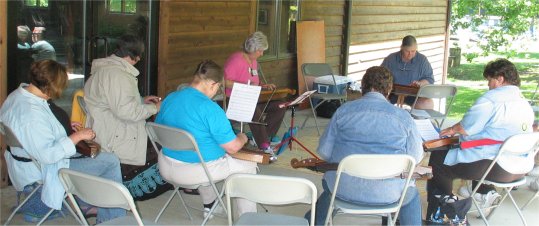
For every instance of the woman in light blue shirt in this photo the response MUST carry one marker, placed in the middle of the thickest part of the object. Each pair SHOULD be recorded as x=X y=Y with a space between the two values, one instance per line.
x=498 y=114
x=27 y=113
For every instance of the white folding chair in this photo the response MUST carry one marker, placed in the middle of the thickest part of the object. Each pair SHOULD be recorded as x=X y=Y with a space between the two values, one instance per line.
x=311 y=71
x=181 y=140
x=99 y=192
x=535 y=195
x=261 y=189
x=12 y=142
x=443 y=94
x=518 y=150
x=372 y=167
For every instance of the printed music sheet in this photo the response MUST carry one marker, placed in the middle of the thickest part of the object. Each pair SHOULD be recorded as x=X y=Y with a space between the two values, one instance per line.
x=242 y=103
x=426 y=129
x=299 y=99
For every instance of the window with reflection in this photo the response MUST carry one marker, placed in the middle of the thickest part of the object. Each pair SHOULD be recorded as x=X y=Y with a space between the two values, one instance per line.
x=123 y=6
x=37 y=3
x=277 y=19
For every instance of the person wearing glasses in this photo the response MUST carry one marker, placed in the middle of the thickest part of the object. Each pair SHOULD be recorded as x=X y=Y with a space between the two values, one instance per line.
x=117 y=112
x=242 y=67
x=410 y=68
x=193 y=110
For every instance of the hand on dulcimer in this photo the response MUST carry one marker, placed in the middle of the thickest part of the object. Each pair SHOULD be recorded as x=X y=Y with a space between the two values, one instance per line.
x=318 y=165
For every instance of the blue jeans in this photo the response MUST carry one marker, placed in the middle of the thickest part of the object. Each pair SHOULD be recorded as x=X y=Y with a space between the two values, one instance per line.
x=105 y=165
x=410 y=212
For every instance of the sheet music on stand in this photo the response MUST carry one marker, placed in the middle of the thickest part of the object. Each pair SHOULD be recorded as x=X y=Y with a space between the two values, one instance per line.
x=243 y=101
x=426 y=129
x=298 y=100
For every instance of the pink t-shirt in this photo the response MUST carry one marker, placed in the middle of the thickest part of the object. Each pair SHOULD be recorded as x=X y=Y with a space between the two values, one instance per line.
x=237 y=69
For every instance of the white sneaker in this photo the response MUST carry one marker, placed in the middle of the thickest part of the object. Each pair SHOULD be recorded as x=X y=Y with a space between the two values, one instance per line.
x=465 y=190
x=270 y=151
x=487 y=200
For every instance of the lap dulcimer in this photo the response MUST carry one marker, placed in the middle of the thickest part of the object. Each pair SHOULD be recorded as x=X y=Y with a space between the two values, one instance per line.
x=253 y=156
x=318 y=165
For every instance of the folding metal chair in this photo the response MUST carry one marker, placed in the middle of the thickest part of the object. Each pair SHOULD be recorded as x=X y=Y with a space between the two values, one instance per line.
x=311 y=71
x=181 y=140
x=444 y=94
x=261 y=189
x=12 y=142
x=371 y=167
x=99 y=192
x=535 y=195
x=518 y=150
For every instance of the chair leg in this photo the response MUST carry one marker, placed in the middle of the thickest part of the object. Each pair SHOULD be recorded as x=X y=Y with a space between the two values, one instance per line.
x=176 y=191
x=480 y=211
x=184 y=205
x=219 y=202
x=314 y=116
x=45 y=217
x=516 y=206
x=19 y=206
x=536 y=195
x=68 y=207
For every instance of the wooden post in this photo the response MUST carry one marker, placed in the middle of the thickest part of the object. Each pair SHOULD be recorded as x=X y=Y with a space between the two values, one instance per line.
x=3 y=85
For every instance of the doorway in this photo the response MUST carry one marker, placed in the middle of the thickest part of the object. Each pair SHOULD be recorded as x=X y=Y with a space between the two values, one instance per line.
x=76 y=32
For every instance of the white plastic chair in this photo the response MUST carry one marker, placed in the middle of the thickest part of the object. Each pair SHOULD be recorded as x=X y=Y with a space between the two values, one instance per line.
x=373 y=167
x=444 y=94
x=312 y=71
x=99 y=192
x=518 y=150
x=12 y=141
x=535 y=195
x=261 y=189
x=181 y=140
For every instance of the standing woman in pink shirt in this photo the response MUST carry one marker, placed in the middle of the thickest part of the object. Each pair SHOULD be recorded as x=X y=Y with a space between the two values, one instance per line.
x=242 y=67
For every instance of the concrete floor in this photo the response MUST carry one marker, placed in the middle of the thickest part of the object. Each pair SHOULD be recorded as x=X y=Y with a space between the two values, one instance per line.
x=175 y=214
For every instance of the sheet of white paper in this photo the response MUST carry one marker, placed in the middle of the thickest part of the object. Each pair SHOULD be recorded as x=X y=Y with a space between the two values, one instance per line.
x=426 y=129
x=417 y=113
x=302 y=97
x=242 y=104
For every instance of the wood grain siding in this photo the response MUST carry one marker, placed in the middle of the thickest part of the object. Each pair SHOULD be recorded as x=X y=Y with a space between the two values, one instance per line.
x=191 y=31
x=332 y=13
x=377 y=28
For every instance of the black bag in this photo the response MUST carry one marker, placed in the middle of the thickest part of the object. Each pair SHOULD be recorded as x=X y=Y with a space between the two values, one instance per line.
x=328 y=108
x=448 y=210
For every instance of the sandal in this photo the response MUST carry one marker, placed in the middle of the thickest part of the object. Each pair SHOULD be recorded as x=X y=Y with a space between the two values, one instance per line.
x=190 y=191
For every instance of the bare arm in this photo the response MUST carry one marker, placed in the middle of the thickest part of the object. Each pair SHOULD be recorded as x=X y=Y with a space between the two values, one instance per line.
x=455 y=129
x=236 y=144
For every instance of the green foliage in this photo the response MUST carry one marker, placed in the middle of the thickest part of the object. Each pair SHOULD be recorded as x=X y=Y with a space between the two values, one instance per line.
x=470 y=56
x=515 y=18
x=465 y=98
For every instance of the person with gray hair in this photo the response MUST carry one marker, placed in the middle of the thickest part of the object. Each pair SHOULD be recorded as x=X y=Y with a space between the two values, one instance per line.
x=242 y=67
x=412 y=68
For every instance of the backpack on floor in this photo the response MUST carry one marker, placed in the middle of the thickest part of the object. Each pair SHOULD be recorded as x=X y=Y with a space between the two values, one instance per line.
x=448 y=210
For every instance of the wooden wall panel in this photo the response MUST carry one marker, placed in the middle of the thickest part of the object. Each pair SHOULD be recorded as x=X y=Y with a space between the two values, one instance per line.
x=332 y=12
x=191 y=31
x=3 y=84
x=378 y=26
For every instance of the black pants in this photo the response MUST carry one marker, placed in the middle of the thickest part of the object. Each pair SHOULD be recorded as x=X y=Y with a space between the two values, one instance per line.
x=274 y=118
x=443 y=175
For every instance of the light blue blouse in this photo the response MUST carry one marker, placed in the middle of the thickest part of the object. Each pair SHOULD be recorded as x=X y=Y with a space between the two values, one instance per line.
x=43 y=138
x=370 y=125
x=498 y=114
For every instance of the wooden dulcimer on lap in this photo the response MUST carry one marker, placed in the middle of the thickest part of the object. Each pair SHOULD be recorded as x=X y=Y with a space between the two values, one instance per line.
x=432 y=145
x=253 y=156
x=318 y=165
x=280 y=94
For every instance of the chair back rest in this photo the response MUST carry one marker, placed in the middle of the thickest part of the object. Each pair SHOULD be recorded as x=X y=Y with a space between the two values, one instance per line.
x=376 y=166
x=313 y=70
x=262 y=189
x=517 y=153
x=97 y=191
x=10 y=138
x=439 y=92
x=170 y=137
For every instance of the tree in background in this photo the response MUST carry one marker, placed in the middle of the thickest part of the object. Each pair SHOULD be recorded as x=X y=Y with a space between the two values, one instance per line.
x=498 y=23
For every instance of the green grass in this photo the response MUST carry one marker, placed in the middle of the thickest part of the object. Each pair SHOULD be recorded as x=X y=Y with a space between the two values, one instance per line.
x=471 y=84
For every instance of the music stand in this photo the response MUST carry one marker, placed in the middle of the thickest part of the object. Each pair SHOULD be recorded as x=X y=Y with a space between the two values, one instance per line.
x=292 y=105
